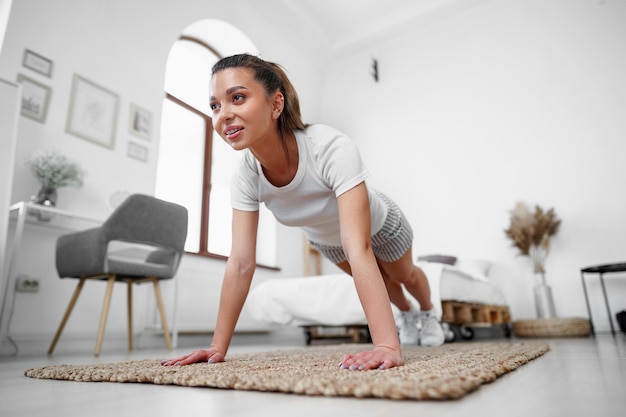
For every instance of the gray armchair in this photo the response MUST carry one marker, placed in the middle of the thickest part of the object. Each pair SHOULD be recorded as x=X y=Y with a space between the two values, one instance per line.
x=142 y=241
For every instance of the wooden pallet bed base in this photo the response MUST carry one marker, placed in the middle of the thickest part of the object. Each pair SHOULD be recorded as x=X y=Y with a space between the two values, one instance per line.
x=456 y=313
x=473 y=314
x=355 y=333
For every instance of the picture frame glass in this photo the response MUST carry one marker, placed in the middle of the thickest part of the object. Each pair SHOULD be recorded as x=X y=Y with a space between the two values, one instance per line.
x=35 y=98
x=37 y=63
x=138 y=152
x=140 y=122
x=93 y=112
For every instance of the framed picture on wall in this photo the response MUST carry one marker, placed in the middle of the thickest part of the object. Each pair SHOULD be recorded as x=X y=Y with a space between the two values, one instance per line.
x=92 y=113
x=37 y=63
x=35 y=98
x=137 y=151
x=140 y=122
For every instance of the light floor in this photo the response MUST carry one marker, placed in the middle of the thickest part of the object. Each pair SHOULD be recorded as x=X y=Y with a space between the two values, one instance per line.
x=578 y=377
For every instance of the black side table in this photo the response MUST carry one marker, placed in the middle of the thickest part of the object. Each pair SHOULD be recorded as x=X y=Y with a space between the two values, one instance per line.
x=601 y=269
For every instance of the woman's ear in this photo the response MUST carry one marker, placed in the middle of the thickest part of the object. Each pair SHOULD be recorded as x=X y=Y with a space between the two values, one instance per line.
x=278 y=105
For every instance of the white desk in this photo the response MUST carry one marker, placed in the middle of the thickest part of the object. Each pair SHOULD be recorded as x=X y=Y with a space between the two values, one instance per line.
x=43 y=216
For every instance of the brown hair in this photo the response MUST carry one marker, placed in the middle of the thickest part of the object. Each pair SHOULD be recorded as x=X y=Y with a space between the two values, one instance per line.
x=273 y=78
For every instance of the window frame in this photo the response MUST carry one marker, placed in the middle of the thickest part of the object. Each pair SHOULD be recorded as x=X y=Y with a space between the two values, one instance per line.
x=207 y=166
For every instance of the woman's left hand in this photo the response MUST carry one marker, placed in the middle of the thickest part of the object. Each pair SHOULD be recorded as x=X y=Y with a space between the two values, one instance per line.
x=379 y=358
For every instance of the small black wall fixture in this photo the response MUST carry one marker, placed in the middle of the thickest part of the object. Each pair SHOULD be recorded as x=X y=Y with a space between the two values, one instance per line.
x=375 y=69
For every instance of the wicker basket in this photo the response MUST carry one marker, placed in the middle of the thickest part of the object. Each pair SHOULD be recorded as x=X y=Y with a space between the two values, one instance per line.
x=567 y=327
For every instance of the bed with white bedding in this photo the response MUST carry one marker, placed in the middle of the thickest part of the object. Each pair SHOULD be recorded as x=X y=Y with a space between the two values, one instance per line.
x=331 y=300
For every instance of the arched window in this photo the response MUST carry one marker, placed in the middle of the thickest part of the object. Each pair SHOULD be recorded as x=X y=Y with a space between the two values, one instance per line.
x=195 y=166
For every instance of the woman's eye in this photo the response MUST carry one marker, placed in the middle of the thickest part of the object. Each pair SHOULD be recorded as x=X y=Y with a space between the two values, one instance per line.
x=213 y=106
x=238 y=97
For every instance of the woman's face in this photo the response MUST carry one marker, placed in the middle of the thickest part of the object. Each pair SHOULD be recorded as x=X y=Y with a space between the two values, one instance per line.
x=243 y=115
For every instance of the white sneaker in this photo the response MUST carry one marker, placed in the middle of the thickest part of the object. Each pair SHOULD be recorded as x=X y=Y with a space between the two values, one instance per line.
x=407 y=323
x=431 y=333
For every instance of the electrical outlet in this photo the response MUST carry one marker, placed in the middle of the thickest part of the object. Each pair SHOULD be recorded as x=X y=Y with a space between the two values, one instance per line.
x=27 y=284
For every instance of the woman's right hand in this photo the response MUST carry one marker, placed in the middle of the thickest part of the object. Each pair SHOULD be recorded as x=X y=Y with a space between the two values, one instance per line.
x=211 y=355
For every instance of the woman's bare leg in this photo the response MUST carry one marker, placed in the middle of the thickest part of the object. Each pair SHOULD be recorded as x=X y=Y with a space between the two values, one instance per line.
x=405 y=272
x=399 y=273
x=413 y=327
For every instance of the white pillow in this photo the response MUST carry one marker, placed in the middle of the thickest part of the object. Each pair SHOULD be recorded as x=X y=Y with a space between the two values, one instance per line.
x=474 y=267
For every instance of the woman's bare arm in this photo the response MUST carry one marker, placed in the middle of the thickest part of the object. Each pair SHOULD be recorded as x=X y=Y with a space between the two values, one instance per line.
x=237 y=278
x=354 y=217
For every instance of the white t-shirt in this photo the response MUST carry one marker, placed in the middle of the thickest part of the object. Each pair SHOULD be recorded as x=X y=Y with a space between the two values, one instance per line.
x=329 y=164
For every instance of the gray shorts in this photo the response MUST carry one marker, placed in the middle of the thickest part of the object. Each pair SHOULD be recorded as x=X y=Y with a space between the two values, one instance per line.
x=389 y=244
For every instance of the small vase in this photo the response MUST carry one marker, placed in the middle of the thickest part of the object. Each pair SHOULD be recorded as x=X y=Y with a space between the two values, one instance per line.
x=544 y=303
x=47 y=196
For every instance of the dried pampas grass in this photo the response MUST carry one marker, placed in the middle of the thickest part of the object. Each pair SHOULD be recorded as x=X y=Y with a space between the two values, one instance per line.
x=531 y=233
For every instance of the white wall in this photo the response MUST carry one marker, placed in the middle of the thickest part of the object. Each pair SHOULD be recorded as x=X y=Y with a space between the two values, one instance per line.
x=510 y=100
x=123 y=46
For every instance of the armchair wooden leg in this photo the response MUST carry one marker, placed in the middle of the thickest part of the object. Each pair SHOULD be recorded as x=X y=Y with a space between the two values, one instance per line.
x=159 y=299
x=130 y=315
x=68 y=311
x=105 y=312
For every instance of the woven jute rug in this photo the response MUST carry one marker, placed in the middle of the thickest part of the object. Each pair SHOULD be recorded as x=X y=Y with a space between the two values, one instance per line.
x=446 y=372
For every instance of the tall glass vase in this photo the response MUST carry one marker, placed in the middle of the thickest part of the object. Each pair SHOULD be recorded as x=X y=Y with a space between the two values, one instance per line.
x=544 y=303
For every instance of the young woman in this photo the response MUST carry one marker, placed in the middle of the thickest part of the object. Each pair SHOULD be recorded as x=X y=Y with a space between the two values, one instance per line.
x=311 y=177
